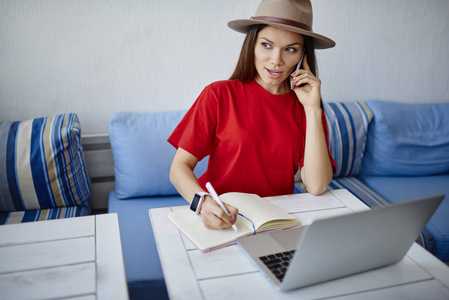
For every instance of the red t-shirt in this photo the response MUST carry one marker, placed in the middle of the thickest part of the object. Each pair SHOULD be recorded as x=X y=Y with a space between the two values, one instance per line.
x=255 y=139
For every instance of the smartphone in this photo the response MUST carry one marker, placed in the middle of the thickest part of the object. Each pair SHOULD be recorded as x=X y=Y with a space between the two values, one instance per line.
x=298 y=66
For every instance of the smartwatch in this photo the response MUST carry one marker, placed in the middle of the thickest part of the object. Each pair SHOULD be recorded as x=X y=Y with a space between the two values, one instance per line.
x=195 y=206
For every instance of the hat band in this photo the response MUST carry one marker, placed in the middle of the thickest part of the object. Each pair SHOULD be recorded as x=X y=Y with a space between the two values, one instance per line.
x=284 y=22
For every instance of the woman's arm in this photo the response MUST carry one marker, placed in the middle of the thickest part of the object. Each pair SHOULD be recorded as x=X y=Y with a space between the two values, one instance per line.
x=186 y=183
x=316 y=172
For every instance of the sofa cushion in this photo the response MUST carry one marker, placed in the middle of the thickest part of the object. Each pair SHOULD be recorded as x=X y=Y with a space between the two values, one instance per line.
x=360 y=190
x=403 y=188
x=370 y=197
x=16 y=217
x=347 y=129
x=142 y=264
x=142 y=155
x=42 y=164
x=407 y=139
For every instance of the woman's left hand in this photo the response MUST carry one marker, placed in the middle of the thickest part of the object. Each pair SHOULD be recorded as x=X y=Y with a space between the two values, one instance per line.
x=306 y=86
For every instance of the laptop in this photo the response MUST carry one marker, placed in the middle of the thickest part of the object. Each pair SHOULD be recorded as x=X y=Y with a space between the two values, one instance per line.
x=335 y=247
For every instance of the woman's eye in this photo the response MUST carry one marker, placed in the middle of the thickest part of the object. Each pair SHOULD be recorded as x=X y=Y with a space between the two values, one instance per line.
x=291 y=49
x=266 y=45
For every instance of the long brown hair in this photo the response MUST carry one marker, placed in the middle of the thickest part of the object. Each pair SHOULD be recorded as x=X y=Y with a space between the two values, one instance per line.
x=245 y=69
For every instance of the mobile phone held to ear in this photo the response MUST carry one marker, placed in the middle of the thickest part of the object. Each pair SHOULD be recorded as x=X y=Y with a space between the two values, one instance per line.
x=298 y=66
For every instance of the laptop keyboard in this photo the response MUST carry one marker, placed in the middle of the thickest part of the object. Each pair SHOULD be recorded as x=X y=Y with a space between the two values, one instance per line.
x=278 y=262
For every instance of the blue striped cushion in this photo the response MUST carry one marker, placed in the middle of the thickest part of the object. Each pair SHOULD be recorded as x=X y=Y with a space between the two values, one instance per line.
x=360 y=190
x=347 y=129
x=17 y=217
x=42 y=164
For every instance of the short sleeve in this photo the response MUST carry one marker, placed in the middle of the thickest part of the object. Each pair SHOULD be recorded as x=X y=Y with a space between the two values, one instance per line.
x=196 y=131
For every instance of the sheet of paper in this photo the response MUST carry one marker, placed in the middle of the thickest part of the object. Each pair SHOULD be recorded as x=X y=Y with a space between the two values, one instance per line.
x=306 y=202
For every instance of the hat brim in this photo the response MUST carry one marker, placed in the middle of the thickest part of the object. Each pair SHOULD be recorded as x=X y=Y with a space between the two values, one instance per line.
x=320 y=41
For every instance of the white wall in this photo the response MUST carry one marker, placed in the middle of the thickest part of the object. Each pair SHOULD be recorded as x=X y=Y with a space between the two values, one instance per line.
x=97 y=57
x=386 y=49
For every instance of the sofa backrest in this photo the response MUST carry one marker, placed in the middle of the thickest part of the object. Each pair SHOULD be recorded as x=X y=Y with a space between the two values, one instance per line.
x=142 y=155
x=407 y=139
x=372 y=138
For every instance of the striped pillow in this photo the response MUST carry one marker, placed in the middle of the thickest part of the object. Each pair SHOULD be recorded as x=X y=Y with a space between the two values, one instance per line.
x=42 y=164
x=347 y=125
x=17 y=217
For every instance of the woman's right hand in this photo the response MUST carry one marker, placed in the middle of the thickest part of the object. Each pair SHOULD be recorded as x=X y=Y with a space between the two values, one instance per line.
x=186 y=183
x=214 y=217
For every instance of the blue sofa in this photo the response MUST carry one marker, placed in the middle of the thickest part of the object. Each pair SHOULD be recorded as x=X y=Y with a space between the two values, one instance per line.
x=386 y=153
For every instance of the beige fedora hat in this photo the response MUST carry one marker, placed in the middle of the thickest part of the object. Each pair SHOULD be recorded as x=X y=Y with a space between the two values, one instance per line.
x=292 y=15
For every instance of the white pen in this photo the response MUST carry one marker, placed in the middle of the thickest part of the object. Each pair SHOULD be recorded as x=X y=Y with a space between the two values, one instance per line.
x=214 y=195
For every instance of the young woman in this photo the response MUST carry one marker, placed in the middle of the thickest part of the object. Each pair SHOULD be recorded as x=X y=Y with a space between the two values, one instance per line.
x=263 y=123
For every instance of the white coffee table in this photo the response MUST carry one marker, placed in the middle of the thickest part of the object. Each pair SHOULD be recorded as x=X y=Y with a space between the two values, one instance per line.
x=228 y=274
x=67 y=258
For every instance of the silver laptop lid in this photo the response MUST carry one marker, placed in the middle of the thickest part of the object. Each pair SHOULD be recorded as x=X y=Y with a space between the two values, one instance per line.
x=344 y=245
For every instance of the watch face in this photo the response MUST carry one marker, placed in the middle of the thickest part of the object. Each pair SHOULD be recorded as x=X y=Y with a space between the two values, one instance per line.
x=195 y=201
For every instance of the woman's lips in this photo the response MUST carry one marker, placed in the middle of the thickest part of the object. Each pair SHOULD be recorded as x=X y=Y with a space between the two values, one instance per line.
x=275 y=74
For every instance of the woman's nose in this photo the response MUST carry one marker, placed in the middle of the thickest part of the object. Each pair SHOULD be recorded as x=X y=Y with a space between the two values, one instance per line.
x=276 y=58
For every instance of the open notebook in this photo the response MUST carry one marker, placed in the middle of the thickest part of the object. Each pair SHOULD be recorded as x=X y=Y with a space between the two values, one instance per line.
x=255 y=215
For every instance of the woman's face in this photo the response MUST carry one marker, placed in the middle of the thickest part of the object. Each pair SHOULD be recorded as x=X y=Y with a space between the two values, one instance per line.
x=276 y=54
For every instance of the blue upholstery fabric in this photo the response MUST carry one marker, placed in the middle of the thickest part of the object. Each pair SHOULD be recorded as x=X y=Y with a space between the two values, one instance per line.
x=360 y=190
x=142 y=155
x=347 y=126
x=142 y=264
x=407 y=139
x=368 y=196
x=399 y=189
x=42 y=164
x=44 y=214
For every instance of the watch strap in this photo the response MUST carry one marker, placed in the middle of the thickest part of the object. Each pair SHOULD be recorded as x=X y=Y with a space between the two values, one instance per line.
x=197 y=202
